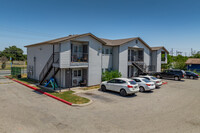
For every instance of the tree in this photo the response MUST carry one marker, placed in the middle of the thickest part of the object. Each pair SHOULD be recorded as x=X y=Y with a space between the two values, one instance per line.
x=176 y=62
x=169 y=62
x=14 y=52
x=3 y=61
x=197 y=55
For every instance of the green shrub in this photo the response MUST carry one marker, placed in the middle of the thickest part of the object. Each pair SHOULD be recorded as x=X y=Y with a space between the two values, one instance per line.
x=108 y=75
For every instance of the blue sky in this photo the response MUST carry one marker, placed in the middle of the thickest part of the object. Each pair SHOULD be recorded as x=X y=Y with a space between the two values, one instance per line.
x=171 y=23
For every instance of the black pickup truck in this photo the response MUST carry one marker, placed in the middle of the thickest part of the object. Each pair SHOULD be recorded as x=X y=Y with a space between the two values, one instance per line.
x=170 y=74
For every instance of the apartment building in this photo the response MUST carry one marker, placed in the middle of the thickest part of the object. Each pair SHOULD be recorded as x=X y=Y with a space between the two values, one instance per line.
x=80 y=59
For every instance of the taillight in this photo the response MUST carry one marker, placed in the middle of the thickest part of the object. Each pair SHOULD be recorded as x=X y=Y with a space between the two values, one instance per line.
x=129 y=86
x=183 y=76
x=157 y=82
x=148 y=84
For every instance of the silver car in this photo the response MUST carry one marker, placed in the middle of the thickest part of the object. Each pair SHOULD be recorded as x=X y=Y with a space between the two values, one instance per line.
x=157 y=82
x=122 y=85
x=144 y=84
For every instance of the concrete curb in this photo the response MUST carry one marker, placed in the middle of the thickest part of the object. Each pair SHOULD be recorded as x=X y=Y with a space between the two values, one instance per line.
x=82 y=105
x=52 y=96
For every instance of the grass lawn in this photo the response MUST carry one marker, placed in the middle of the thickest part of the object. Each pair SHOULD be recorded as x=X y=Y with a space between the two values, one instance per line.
x=67 y=95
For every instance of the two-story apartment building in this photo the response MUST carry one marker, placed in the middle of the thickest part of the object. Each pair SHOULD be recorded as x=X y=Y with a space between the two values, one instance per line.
x=81 y=59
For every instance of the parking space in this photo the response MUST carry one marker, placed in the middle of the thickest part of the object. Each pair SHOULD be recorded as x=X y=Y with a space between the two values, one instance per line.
x=172 y=108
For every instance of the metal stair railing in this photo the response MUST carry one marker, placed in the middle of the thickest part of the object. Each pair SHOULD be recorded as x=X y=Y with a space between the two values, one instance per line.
x=46 y=70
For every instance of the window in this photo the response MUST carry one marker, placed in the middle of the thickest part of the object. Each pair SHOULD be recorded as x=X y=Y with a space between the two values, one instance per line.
x=75 y=49
x=111 y=51
x=107 y=51
x=163 y=56
x=146 y=80
x=140 y=55
x=112 y=81
x=75 y=73
x=136 y=41
x=132 y=82
x=79 y=73
x=153 y=78
x=120 y=81
x=137 y=80
x=103 y=51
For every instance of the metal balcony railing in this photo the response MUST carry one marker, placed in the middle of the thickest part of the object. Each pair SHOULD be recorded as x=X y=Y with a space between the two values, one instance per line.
x=79 y=57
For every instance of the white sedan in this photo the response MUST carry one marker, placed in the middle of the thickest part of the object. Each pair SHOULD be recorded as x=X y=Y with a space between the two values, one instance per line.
x=157 y=82
x=144 y=84
x=122 y=85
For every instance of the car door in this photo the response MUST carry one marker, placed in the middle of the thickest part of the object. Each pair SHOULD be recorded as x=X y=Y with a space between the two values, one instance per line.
x=171 y=74
x=138 y=81
x=164 y=74
x=119 y=85
x=110 y=84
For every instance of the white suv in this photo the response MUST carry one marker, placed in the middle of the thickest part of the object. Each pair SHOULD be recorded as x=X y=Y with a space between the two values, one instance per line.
x=122 y=85
x=144 y=84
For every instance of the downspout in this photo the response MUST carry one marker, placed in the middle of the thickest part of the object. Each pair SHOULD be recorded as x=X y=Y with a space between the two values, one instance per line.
x=101 y=62
x=53 y=68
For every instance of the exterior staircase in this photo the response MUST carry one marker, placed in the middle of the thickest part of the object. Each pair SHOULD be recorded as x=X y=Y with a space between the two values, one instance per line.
x=141 y=67
x=48 y=68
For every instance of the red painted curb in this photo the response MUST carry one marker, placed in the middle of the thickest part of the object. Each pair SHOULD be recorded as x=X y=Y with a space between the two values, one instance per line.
x=164 y=83
x=45 y=93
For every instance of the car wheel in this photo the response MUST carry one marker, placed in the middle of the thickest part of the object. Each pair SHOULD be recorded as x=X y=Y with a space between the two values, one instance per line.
x=123 y=92
x=158 y=76
x=176 y=78
x=141 y=89
x=191 y=77
x=103 y=88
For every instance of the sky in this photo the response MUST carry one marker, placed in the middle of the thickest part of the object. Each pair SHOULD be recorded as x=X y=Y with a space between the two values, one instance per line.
x=170 y=23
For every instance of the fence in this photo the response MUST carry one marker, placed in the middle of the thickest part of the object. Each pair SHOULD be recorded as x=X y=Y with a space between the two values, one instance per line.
x=18 y=71
x=14 y=64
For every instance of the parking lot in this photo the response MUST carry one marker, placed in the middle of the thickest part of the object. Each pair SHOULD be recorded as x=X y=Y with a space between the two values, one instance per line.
x=173 y=108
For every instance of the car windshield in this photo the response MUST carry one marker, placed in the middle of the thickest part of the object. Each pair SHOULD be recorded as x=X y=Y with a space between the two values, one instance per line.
x=153 y=78
x=192 y=73
x=132 y=82
x=146 y=80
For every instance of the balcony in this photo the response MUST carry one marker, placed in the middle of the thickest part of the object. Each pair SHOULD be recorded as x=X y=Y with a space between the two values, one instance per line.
x=79 y=54
x=79 y=57
x=135 y=55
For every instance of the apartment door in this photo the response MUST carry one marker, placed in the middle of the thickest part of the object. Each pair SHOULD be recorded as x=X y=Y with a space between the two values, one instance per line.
x=76 y=77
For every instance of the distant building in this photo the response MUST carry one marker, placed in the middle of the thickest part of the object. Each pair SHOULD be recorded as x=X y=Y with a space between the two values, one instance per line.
x=193 y=64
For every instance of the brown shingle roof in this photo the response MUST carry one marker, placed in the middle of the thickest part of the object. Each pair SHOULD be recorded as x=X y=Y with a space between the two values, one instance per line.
x=193 y=61
x=118 y=42
x=70 y=37
x=108 y=42
x=158 y=48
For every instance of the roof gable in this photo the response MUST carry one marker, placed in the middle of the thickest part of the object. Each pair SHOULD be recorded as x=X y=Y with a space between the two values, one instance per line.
x=118 y=42
x=158 y=48
x=70 y=37
x=193 y=61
